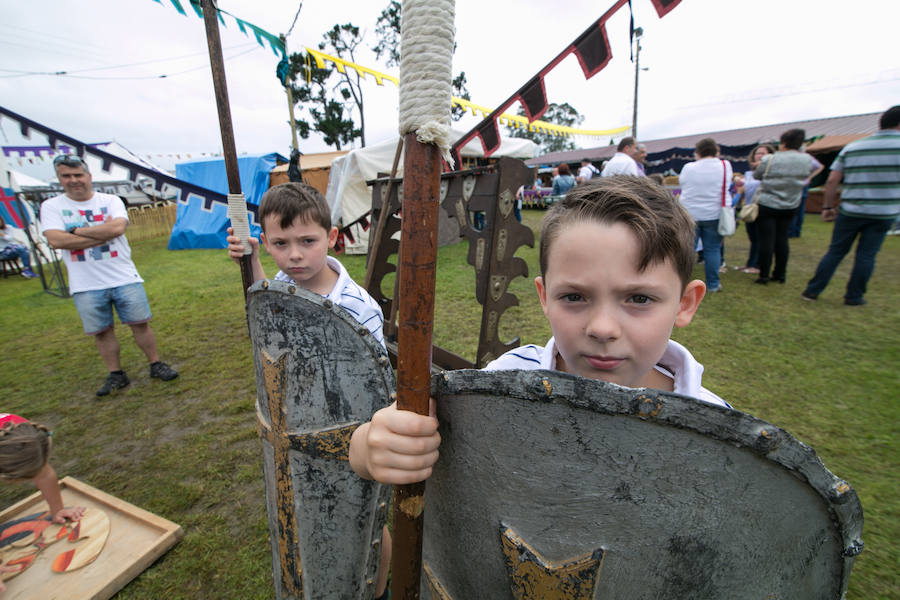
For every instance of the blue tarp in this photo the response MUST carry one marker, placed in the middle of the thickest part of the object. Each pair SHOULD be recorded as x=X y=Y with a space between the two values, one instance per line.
x=200 y=224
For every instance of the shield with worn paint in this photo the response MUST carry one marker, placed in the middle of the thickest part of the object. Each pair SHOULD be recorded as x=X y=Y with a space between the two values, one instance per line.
x=319 y=375
x=555 y=486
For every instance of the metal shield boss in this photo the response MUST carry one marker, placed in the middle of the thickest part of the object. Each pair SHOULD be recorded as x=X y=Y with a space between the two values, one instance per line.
x=555 y=486
x=319 y=375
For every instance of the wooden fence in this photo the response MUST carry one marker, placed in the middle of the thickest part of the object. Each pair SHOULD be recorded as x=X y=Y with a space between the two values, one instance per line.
x=150 y=220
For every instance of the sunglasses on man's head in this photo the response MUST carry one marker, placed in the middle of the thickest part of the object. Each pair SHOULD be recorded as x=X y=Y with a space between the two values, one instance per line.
x=69 y=160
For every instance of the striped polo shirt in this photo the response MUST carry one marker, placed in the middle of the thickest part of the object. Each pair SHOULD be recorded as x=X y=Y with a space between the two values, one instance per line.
x=351 y=296
x=871 y=176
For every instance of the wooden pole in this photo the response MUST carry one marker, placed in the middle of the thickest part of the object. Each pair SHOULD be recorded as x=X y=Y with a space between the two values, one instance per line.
x=417 y=269
x=390 y=329
x=217 y=64
x=290 y=97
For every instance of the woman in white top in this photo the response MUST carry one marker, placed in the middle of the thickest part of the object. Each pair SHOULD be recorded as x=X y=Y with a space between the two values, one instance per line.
x=704 y=186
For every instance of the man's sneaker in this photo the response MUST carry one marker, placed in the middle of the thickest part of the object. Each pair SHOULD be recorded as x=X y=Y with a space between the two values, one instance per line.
x=114 y=381
x=28 y=274
x=161 y=370
x=808 y=297
x=858 y=302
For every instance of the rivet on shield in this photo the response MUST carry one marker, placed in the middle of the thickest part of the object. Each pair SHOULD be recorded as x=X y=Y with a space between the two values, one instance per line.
x=839 y=493
x=292 y=289
x=855 y=547
x=327 y=303
x=648 y=407
x=383 y=361
x=393 y=395
x=265 y=284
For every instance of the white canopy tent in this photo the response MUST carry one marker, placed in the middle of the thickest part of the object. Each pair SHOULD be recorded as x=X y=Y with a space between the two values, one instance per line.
x=349 y=197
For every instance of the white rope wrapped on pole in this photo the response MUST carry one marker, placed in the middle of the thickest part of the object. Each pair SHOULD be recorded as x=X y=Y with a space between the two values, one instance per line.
x=240 y=221
x=425 y=82
x=426 y=74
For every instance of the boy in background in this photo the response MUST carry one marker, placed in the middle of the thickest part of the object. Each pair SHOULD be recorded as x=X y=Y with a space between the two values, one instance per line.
x=297 y=233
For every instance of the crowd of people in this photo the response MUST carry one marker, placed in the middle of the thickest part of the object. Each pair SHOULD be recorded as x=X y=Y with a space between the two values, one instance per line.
x=770 y=200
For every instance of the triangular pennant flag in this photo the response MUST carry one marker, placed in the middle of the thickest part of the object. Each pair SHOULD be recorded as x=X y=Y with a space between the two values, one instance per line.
x=490 y=136
x=592 y=50
x=533 y=97
x=664 y=6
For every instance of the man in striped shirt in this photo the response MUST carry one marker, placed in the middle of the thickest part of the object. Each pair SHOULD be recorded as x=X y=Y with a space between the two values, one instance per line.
x=870 y=202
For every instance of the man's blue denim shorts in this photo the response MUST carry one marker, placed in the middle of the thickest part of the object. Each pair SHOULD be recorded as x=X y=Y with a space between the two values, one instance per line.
x=95 y=307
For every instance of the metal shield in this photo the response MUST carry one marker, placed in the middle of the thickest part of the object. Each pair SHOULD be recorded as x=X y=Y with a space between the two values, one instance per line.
x=555 y=486
x=319 y=375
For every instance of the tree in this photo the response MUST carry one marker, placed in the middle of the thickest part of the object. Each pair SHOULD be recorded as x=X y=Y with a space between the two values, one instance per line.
x=342 y=41
x=330 y=104
x=460 y=91
x=387 y=28
x=311 y=89
x=558 y=114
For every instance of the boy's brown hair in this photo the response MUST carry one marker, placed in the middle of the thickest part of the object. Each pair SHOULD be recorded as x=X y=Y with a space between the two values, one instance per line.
x=664 y=229
x=288 y=201
x=24 y=450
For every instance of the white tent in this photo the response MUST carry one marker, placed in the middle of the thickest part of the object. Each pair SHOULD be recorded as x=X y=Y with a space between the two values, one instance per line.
x=349 y=197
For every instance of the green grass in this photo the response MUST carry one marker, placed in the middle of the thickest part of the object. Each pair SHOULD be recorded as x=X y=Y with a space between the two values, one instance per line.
x=188 y=449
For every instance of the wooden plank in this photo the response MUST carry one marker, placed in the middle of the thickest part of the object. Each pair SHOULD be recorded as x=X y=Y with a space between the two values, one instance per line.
x=136 y=539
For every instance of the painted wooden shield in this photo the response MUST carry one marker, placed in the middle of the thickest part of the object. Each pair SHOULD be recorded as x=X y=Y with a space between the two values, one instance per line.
x=554 y=486
x=319 y=375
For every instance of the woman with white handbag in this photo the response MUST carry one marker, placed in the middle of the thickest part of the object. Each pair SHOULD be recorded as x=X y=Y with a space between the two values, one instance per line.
x=705 y=195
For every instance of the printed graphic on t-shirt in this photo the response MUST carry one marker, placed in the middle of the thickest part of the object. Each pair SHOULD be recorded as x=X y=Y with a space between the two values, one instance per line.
x=88 y=218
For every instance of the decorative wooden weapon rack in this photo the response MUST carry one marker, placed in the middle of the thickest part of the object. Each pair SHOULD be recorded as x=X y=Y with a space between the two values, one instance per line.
x=489 y=190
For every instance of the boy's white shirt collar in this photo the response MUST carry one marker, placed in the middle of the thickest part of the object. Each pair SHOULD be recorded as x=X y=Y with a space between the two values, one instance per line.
x=335 y=294
x=676 y=363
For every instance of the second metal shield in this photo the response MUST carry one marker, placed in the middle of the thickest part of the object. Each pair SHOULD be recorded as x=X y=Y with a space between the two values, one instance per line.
x=319 y=375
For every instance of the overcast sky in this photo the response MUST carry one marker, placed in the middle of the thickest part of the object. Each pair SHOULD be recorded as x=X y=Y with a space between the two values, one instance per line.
x=713 y=65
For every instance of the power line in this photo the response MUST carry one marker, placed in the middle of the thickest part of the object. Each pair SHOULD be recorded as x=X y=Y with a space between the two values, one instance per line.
x=161 y=76
x=146 y=62
x=786 y=94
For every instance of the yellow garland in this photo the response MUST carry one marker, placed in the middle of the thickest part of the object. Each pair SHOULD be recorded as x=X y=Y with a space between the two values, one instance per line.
x=505 y=118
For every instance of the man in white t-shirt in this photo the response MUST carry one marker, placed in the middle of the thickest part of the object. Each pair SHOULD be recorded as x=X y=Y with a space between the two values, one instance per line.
x=622 y=163
x=89 y=228
x=587 y=171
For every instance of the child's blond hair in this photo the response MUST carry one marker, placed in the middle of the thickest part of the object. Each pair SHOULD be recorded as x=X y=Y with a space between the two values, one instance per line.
x=24 y=450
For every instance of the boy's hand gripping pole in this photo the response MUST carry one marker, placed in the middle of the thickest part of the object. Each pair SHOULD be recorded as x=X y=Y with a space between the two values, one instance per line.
x=240 y=224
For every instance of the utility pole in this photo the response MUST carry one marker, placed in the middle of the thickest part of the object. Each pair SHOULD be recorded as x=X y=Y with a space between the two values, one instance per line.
x=638 y=34
x=290 y=98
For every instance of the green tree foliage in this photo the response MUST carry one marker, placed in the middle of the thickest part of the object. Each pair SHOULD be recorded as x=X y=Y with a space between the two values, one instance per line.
x=329 y=96
x=460 y=91
x=342 y=41
x=558 y=114
x=313 y=91
x=387 y=28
